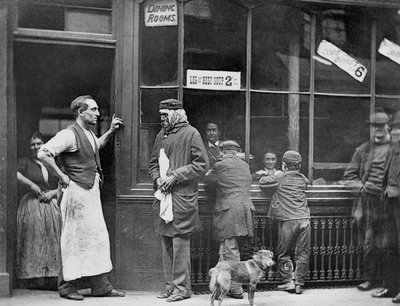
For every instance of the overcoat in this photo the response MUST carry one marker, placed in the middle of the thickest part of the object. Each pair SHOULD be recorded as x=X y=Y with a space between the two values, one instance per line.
x=234 y=210
x=188 y=161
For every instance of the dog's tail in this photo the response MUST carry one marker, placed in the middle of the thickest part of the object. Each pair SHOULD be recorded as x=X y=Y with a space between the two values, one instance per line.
x=220 y=283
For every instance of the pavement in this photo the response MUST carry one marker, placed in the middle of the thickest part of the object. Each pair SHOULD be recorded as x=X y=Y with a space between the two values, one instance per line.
x=310 y=297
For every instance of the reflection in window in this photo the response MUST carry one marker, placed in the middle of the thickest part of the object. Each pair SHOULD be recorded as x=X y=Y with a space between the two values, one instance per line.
x=350 y=31
x=215 y=36
x=281 y=49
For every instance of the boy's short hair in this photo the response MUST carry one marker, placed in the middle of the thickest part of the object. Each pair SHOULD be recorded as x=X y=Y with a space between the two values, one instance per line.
x=292 y=159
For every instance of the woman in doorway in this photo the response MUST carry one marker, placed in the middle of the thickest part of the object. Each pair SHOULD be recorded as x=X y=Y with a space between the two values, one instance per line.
x=38 y=222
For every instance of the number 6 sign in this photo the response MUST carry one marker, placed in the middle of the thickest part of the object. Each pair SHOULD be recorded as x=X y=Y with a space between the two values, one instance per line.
x=342 y=60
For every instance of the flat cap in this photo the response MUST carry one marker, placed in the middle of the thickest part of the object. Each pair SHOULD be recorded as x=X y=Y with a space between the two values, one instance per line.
x=292 y=156
x=267 y=182
x=379 y=118
x=171 y=104
x=229 y=145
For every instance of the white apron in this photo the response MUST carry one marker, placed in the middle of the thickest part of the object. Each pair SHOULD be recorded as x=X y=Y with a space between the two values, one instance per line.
x=85 y=245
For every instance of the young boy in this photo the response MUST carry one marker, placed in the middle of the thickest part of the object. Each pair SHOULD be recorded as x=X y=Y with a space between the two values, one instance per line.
x=289 y=208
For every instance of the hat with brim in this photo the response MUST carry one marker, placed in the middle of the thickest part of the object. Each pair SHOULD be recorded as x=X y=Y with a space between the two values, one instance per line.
x=170 y=104
x=378 y=118
x=229 y=145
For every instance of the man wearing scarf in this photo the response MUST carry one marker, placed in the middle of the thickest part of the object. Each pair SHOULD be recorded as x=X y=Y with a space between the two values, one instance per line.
x=365 y=176
x=188 y=161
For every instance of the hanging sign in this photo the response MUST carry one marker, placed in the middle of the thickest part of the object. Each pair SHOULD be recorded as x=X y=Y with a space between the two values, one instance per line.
x=390 y=50
x=342 y=60
x=161 y=13
x=214 y=80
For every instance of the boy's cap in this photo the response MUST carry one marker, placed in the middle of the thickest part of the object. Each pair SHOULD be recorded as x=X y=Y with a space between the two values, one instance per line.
x=292 y=156
x=229 y=145
x=170 y=104
x=267 y=181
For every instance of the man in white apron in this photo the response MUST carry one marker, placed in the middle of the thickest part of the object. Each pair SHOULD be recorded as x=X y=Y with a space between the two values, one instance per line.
x=85 y=246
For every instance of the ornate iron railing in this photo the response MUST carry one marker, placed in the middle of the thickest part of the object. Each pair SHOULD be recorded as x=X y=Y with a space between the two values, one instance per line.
x=336 y=249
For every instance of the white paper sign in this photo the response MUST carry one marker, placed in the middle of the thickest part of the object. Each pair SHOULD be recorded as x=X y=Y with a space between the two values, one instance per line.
x=214 y=80
x=390 y=50
x=161 y=13
x=342 y=60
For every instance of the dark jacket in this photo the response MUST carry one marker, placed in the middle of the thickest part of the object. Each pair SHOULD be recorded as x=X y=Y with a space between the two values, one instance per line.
x=233 y=213
x=392 y=166
x=82 y=165
x=357 y=171
x=289 y=201
x=188 y=162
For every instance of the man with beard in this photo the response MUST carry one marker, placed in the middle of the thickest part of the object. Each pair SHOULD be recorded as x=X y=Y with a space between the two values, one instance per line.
x=365 y=176
x=85 y=245
x=179 y=150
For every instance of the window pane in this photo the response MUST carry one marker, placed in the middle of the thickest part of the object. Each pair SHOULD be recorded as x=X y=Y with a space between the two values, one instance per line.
x=349 y=30
x=390 y=106
x=150 y=125
x=215 y=37
x=159 y=54
x=340 y=126
x=281 y=49
x=226 y=109
x=270 y=124
x=387 y=71
x=80 y=16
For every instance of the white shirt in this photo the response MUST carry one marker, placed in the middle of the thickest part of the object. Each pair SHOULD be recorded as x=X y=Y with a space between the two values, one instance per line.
x=65 y=141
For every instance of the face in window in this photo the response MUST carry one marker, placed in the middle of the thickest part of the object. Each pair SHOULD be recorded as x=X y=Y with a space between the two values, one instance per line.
x=334 y=30
x=212 y=132
x=34 y=145
x=270 y=160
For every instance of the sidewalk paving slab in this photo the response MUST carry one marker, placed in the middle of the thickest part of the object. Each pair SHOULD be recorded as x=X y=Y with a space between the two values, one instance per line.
x=310 y=297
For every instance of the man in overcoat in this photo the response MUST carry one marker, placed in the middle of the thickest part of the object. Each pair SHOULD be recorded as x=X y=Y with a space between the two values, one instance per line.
x=188 y=161
x=365 y=176
x=234 y=210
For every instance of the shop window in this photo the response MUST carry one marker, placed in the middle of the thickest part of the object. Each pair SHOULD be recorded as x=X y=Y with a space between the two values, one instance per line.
x=388 y=54
x=215 y=37
x=270 y=122
x=227 y=109
x=340 y=127
x=280 y=49
x=66 y=15
x=159 y=53
x=349 y=31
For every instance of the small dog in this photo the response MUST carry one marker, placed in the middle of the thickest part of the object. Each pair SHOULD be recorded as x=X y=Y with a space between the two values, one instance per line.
x=245 y=272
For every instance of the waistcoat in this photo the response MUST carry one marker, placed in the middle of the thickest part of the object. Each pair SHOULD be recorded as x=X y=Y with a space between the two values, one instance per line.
x=82 y=165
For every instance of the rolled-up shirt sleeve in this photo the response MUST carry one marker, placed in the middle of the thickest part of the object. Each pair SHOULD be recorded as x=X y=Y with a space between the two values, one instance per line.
x=63 y=141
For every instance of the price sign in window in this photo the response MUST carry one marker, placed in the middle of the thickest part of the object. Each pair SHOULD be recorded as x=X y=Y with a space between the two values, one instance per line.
x=214 y=80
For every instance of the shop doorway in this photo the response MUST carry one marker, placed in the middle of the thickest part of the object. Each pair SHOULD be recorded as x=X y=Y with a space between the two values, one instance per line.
x=47 y=78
